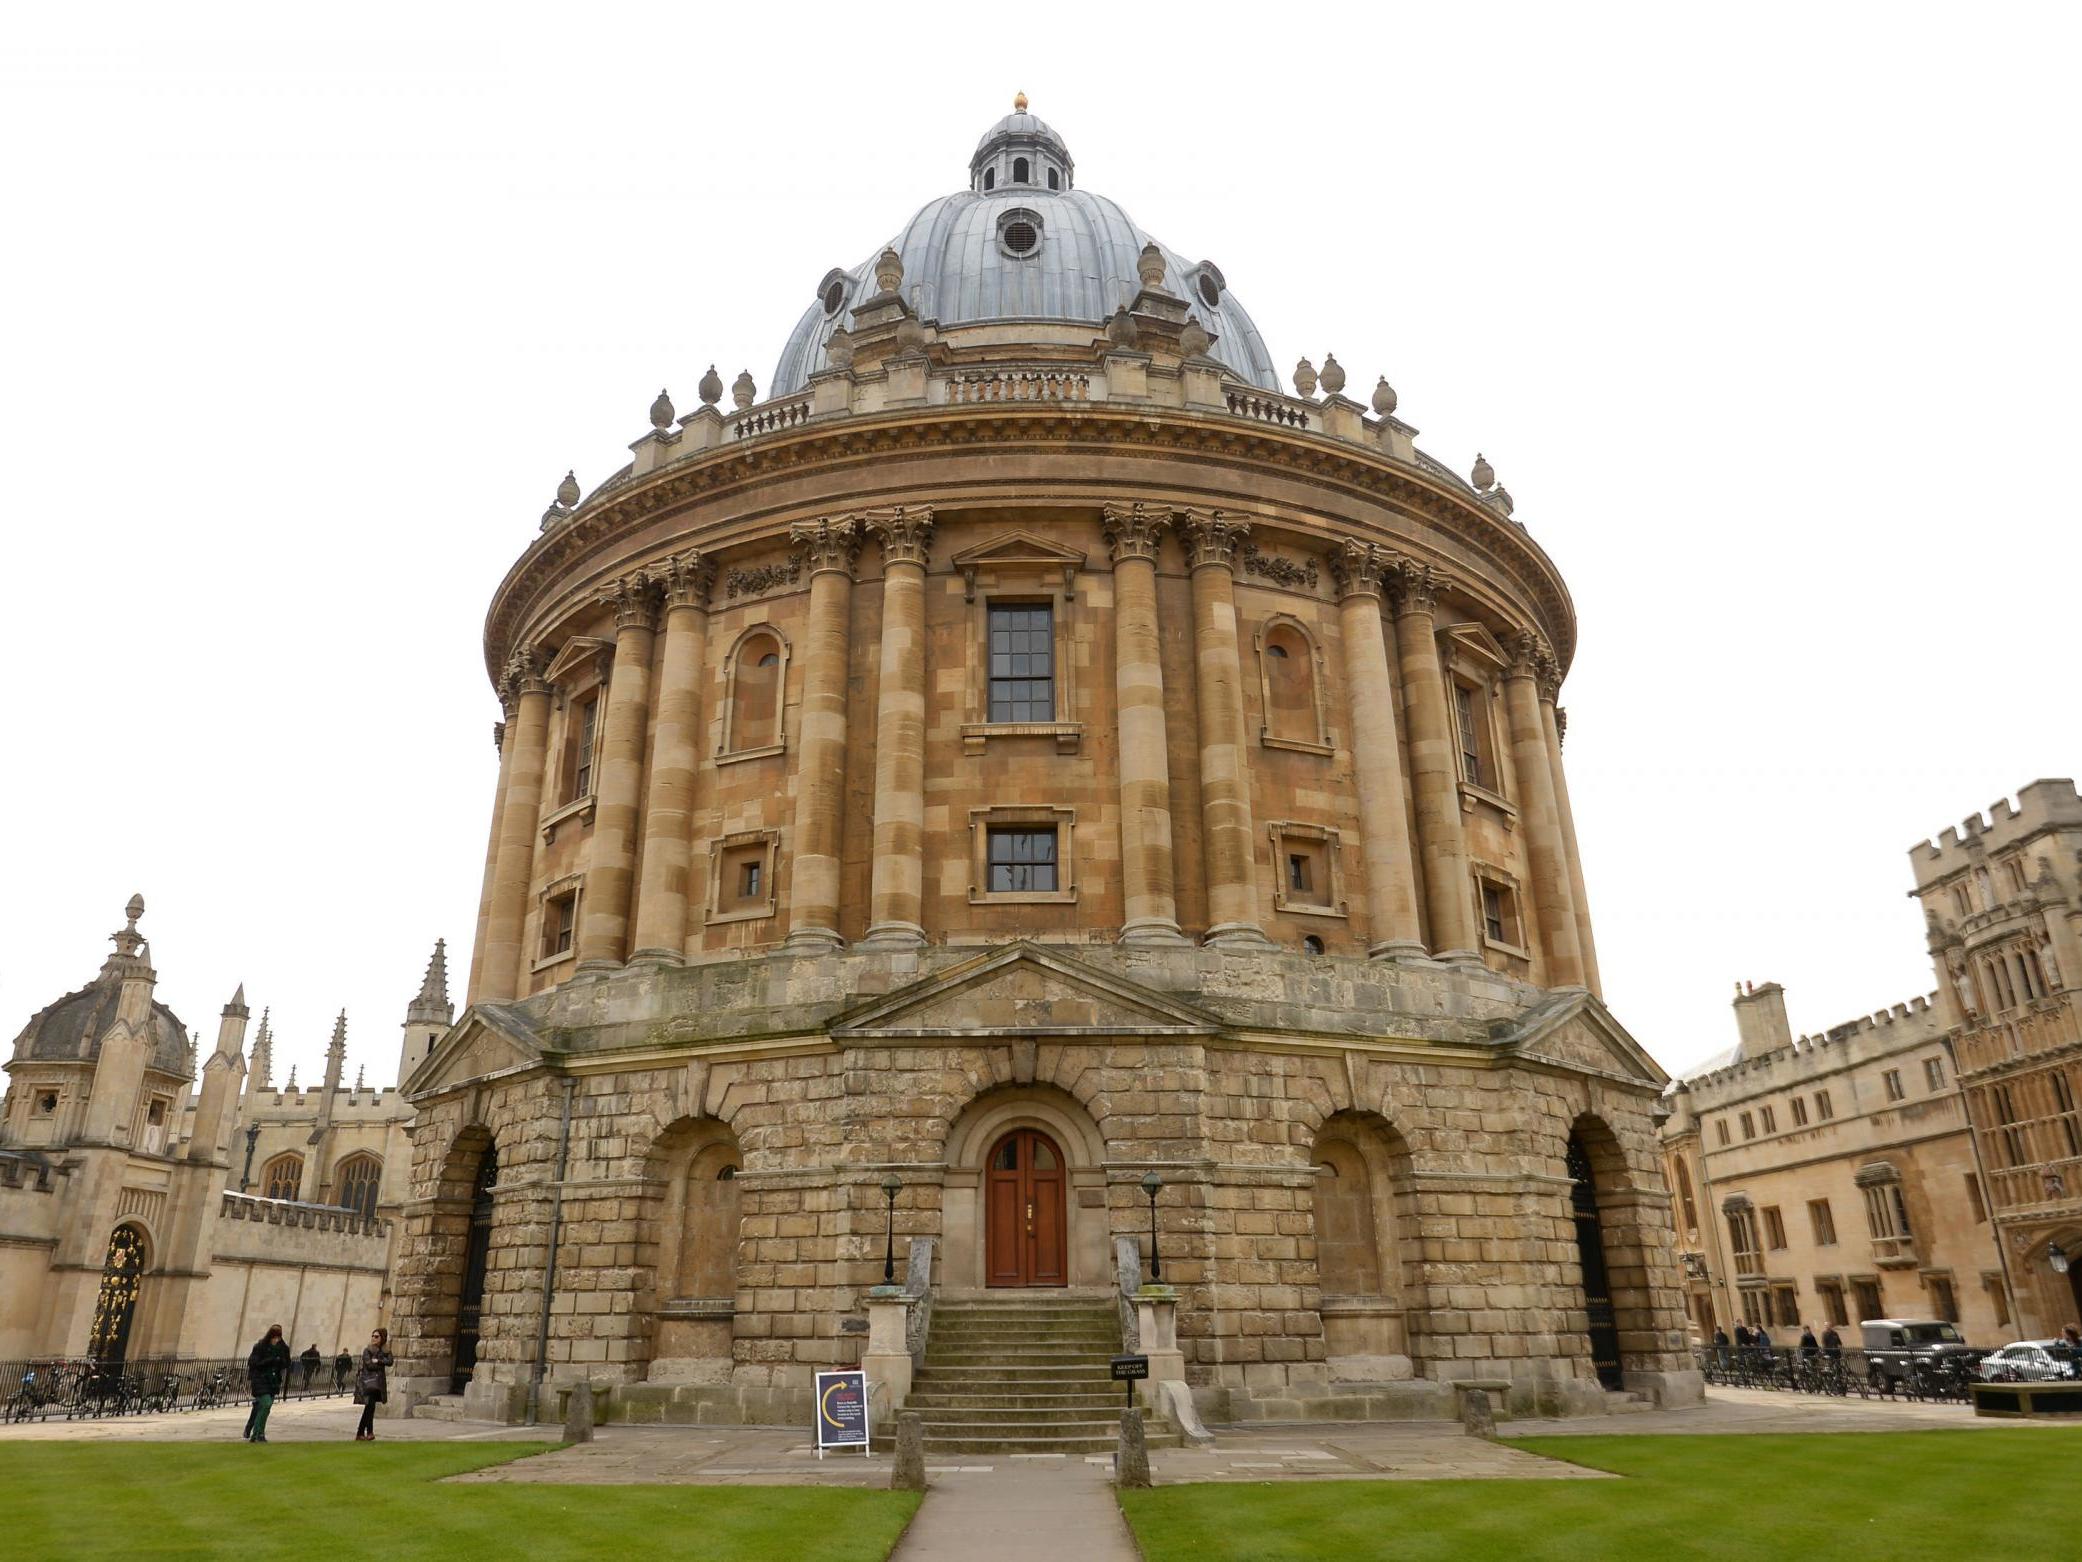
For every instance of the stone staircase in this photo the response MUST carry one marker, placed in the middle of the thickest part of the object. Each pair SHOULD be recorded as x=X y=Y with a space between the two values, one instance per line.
x=440 y=1407
x=1026 y=1373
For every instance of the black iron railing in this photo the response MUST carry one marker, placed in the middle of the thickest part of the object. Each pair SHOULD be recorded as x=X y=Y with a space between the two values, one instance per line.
x=59 y=1389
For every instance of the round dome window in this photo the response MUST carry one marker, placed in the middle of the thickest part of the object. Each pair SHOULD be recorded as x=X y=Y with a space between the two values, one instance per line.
x=1019 y=233
x=1210 y=284
x=1211 y=291
x=831 y=292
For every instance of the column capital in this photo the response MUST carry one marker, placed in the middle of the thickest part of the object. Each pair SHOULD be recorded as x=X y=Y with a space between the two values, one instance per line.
x=1359 y=568
x=1134 y=530
x=1529 y=655
x=827 y=544
x=1561 y=726
x=1414 y=587
x=1549 y=673
x=685 y=578
x=499 y=737
x=1211 y=536
x=523 y=675
x=906 y=533
x=634 y=599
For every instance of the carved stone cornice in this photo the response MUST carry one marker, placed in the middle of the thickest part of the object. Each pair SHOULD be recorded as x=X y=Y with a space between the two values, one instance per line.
x=634 y=599
x=1133 y=531
x=1247 y=451
x=1211 y=537
x=906 y=533
x=1359 y=568
x=743 y=580
x=1414 y=587
x=686 y=578
x=1303 y=576
x=827 y=544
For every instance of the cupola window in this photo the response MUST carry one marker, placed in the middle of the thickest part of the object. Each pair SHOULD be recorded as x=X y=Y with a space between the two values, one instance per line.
x=1055 y=180
x=990 y=178
x=1019 y=171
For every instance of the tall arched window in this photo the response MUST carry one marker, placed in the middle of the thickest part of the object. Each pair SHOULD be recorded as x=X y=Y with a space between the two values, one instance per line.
x=282 y=1177
x=359 y=1177
x=757 y=672
x=1019 y=170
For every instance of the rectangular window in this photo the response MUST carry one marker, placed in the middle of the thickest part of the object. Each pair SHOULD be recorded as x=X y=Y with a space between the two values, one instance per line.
x=1749 y=1126
x=1823 y=1220
x=1942 y=1301
x=1022 y=861
x=1823 y=1109
x=1867 y=1295
x=1974 y=1200
x=1493 y=912
x=1830 y=1294
x=1720 y=1125
x=1298 y=876
x=1770 y=1117
x=1022 y=661
x=2000 y=1298
x=559 y=917
x=1799 y=1112
x=1961 y=901
x=1788 y=1299
x=749 y=875
x=1774 y=1230
x=1892 y=1080
x=584 y=718
x=1934 y=1073
x=1470 y=739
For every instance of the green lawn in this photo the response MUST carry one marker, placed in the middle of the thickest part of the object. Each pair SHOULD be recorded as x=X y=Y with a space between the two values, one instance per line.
x=1843 y=1497
x=228 y=1502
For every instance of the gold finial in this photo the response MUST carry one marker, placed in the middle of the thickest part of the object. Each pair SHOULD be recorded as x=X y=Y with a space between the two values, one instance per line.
x=1019 y=102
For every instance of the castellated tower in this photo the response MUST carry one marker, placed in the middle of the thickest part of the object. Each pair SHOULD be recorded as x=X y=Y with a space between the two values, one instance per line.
x=1031 y=750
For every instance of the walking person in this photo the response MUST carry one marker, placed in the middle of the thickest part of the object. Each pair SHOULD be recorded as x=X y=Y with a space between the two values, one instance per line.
x=309 y=1361
x=1832 y=1343
x=1720 y=1346
x=266 y=1370
x=1810 y=1347
x=372 y=1383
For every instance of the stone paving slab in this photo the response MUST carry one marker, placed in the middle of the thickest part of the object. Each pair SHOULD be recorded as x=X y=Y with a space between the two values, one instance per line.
x=1042 y=1510
x=297 y=1421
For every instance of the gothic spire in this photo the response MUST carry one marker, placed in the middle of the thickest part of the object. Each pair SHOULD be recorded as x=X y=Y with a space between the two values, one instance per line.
x=432 y=1007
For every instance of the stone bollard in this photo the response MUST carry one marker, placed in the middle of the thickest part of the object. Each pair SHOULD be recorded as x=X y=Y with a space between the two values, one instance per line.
x=909 y=1474
x=578 y=1414
x=1475 y=1418
x=1131 y=1462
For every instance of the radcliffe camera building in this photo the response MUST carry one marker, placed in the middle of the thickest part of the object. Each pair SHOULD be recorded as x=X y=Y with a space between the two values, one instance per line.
x=1025 y=755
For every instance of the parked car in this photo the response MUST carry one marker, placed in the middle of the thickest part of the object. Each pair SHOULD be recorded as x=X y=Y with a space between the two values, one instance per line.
x=1896 y=1348
x=2030 y=1361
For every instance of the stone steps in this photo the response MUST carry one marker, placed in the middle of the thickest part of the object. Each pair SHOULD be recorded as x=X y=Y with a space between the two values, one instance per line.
x=1017 y=1375
x=440 y=1407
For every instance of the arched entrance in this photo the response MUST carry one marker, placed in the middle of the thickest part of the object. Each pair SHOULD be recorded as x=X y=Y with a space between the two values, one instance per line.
x=469 y=1315
x=108 y=1338
x=1025 y=1225
x=1590 y=1250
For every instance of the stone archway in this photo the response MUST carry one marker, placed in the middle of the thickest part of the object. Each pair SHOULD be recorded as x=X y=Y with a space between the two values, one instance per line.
x=435 y=1258
x=688 y=1249
x=1049 y=1117
x=1622 y=1232
x=1363 y=1211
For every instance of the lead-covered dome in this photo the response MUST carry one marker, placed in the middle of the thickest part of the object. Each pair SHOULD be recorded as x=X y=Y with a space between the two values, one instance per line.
x=70 y=1030
x=1022 y=243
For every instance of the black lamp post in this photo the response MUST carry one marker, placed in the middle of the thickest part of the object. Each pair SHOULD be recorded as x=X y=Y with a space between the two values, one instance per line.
x=1151 y=1182
x=891 y=1184
x=252 y=1138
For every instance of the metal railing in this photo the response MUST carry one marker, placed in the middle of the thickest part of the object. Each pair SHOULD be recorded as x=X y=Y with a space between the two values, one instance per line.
x=71 y=1390
x=1842 y=1374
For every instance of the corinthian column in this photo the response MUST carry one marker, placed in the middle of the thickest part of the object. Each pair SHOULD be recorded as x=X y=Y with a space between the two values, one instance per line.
x=1211 y=539
x=519 y=817
x=1149 y=905
x=896 y=890
x=1449 y=893
x=603 y=921
x=491 y=846
x=1391 y=884
x=1555 y=723
x=820 y=766
x=1543 y=834
x=668 y=809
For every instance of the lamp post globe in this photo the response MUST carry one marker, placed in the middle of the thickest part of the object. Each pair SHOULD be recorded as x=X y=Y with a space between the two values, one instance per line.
x=2057 y=1256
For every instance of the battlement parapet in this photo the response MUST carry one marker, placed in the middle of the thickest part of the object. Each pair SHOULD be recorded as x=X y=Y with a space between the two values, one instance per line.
x=2043 y=804
x=296 y=1214
x=1912 y=1023
x=28 y=1171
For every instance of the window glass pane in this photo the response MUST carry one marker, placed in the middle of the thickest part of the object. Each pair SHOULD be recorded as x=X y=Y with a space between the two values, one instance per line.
x=1022 y=662
x=1007 y=1158
x=1022 y=860
x=1044 y=1158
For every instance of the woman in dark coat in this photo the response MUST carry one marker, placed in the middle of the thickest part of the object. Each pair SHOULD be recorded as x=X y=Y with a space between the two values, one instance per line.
x=266 y=1370
x=372 y=1383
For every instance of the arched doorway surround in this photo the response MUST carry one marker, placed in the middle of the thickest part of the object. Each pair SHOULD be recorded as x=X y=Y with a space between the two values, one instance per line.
x=692 y=1231
x=1363 y=1208
x=1074 y=1140
x=115 y=1303
x=1025 y=1229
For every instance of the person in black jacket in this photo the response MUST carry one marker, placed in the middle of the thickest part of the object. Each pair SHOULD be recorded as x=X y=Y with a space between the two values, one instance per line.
x=309 y=1361
x=372 y=1383
x=266 y=1369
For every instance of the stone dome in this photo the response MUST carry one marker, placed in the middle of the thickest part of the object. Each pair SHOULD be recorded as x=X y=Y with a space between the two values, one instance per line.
x=70 y=1030
x=1022 y=243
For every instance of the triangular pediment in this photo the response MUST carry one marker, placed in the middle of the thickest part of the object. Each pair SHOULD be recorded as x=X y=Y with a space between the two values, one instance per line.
x=1577 y=1031
x=485 y=1043
x=579 y=651
x=1478 y=642
x=1024 y=990
x=1017 y=550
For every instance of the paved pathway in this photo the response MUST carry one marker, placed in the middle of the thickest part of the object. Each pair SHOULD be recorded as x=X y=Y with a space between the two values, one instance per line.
x=1032 y=1510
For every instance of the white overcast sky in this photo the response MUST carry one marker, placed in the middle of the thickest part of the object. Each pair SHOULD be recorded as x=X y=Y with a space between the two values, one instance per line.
x=1766 y=314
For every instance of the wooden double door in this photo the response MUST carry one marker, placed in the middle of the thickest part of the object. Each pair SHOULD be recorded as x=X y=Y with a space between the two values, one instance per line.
x=1026 y=1238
